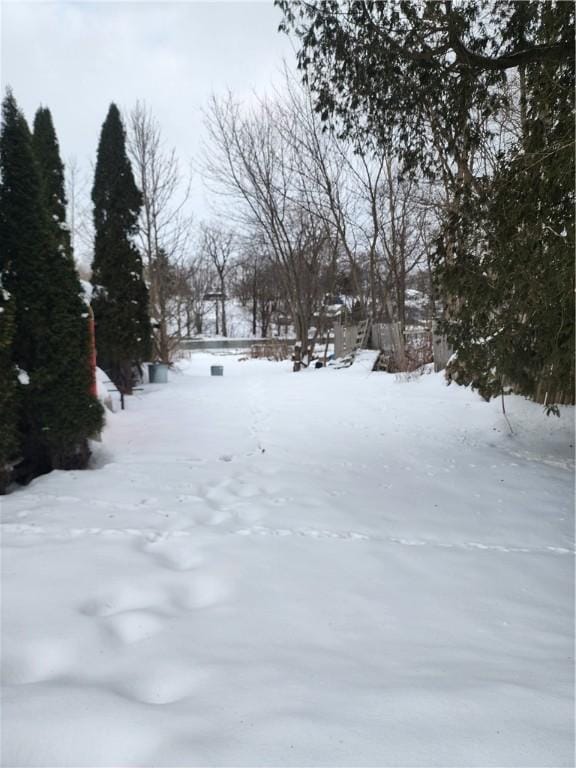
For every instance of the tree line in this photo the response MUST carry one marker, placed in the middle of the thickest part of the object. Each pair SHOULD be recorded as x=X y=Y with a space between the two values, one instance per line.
x=48 y=401
x=48 y=409
x=148 y=281
x=477 y=99
x=327 y=215
x=427 y=145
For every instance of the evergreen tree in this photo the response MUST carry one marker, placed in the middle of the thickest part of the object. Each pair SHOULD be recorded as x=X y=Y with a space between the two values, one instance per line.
x=47 y=154
x=9 y=437
x=50 y=341
x=513 y=269
x=75 y=412
x=24 y=237
x=9 y=434
x=120 y=299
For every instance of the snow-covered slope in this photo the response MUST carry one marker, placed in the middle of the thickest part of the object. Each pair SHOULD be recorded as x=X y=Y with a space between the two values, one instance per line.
x=238 y=320
x=334 y=568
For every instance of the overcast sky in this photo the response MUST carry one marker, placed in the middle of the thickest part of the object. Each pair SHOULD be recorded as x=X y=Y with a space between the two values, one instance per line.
x=77 y=57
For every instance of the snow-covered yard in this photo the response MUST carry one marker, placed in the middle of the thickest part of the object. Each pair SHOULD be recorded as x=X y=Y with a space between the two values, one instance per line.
x=334 y=568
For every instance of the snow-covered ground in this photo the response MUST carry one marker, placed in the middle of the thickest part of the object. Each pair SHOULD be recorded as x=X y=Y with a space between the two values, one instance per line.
x=331 y=568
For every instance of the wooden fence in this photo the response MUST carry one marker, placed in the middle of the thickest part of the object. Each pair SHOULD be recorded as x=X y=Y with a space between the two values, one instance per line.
x=416 y=346
x=406 y=349
x=442 y=351
x=344 y=337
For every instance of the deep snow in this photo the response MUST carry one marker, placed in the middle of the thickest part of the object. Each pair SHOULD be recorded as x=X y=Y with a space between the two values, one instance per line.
x=332 y=568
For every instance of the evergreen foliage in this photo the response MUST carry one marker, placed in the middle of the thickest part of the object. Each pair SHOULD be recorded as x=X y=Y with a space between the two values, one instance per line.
x=426 y=81
x=50 y=339
x=47 y=154
x=120 y=299
x=9 y=437
x=406 y=74
x=513 y=268
x=72 y=411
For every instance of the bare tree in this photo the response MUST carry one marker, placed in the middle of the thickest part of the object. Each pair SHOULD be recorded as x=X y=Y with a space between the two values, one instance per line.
x=164 y=225
x=219 y=245
x=79 y=212
x=403 y=249
x=371 y=213
x=322 y=205
x=257 y=284
x=326 y=175
x=250 y=162
x=194 y=277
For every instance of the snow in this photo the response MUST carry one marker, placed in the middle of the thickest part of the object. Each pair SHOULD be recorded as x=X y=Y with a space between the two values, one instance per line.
x=107 y=391
x=330 y=568
x=238 y=320
x=23 y=377
x=87 y=291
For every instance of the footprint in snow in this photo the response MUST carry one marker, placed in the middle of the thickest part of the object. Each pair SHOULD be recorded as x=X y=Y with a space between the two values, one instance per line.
x=203 y=591
x=174 y=554
x=121 y=599
x=133 y=613
x=165 y=683
x=133 y=626
x=38 y=661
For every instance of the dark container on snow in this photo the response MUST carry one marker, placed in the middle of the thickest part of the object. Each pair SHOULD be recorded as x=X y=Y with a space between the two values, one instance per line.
x=158 y=373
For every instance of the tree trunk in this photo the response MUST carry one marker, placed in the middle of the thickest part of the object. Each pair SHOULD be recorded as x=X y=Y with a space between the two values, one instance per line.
x=224 y=327
x=264 y=318
x=297 y=357
x=121 y=375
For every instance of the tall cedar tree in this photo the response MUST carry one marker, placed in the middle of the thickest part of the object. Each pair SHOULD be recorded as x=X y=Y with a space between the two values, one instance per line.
x=120 y=298
x=47 y=154
x=78 y=413
x=8 y=382
x=50 y=334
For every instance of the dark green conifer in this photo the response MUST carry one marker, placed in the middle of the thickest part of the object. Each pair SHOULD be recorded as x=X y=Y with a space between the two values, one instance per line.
x=47 y=154
x=514 y=269
x=9 y=437
x=50 y=340
x=76 y=413
x=120 y=299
